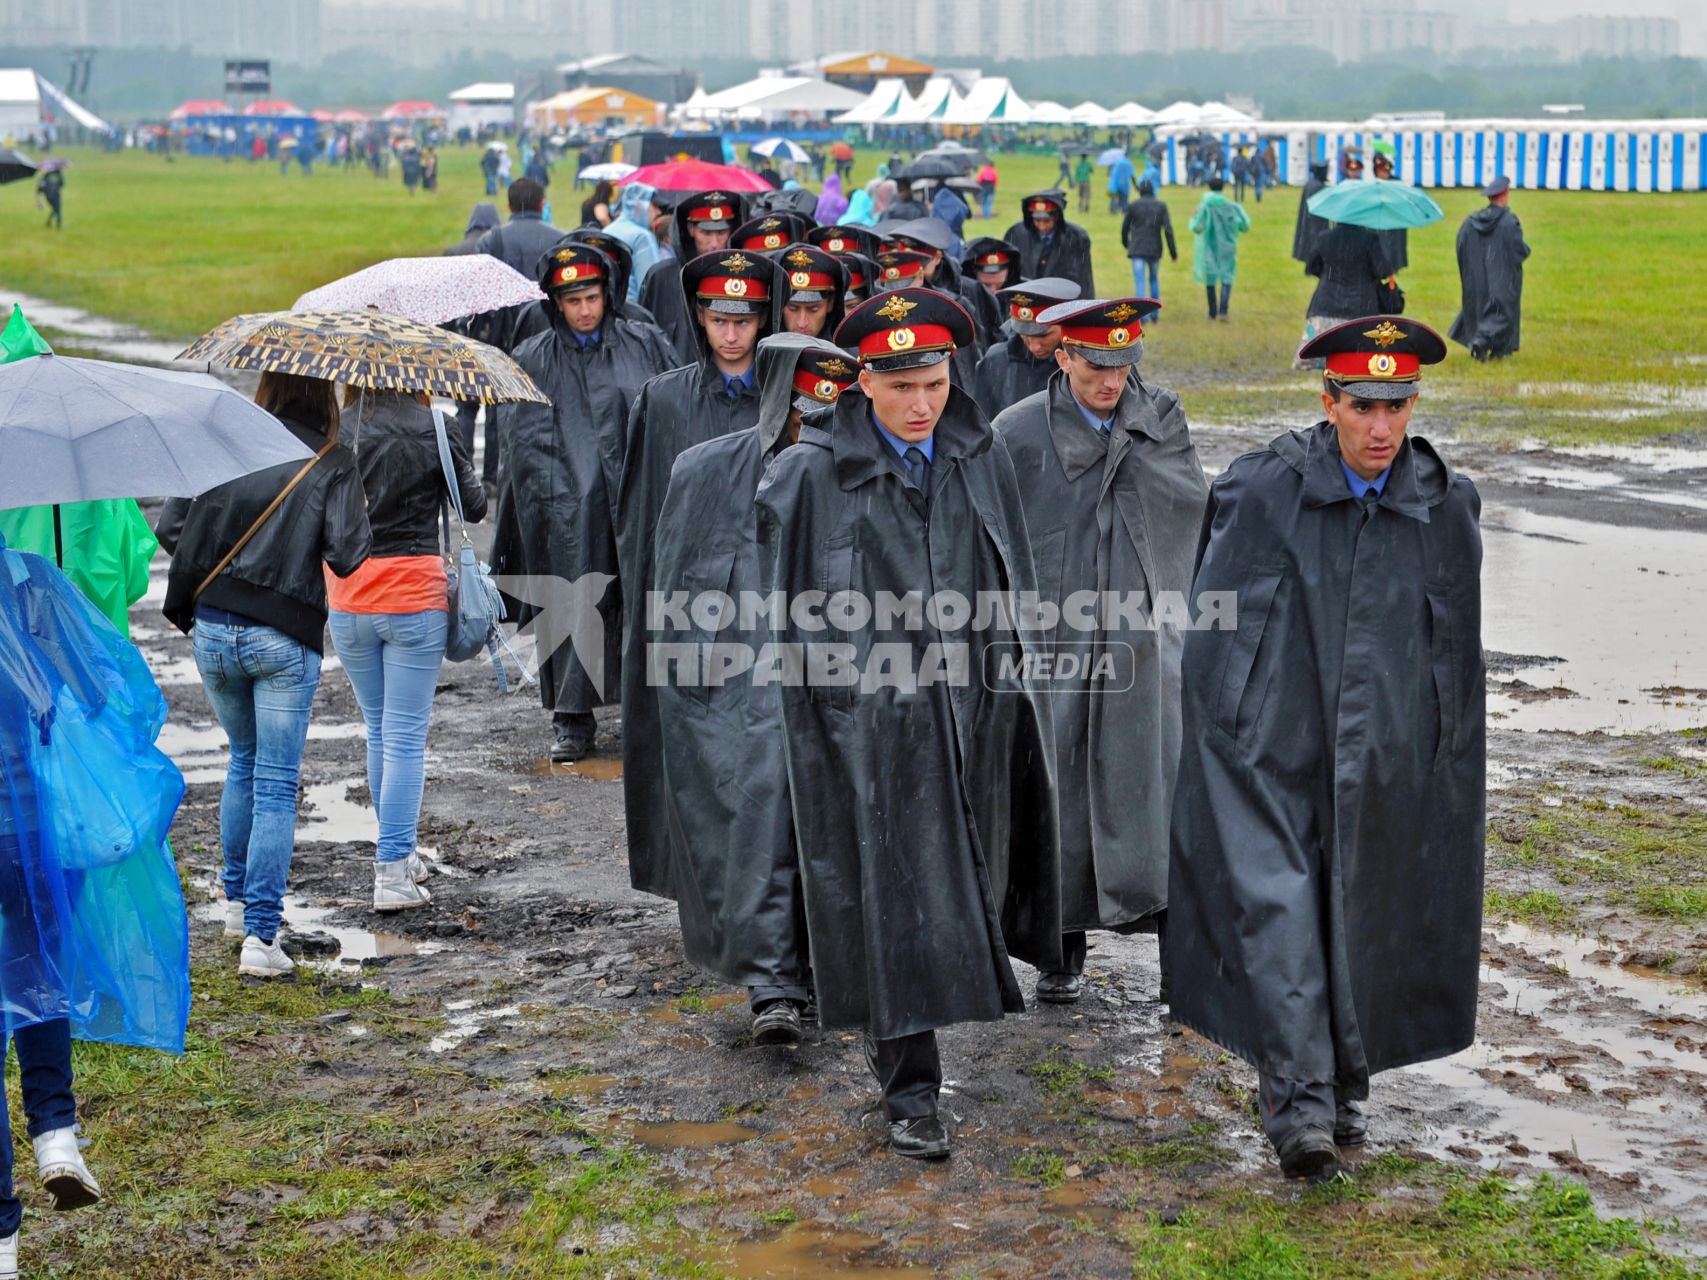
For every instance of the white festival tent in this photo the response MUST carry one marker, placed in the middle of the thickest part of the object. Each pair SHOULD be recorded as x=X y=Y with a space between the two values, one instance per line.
x=770 y=96
x=887 y=97
x=1089 y=113
x=30 y=103
x=1178 y=113
x=991 y=100
x=935 y=100
x=1129 y=114
x=1050 y=113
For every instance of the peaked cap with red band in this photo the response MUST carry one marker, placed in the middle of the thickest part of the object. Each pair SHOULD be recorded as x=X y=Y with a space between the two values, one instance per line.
x=731 y=282
x=820 y=377
x=900 y=268
x=1106 y=331
x=842 y=240
x=1377 y=357
x=573 y=266
x=769 y=232
x=712 y=210
x=1028 y=299
x=905 y=329
x=812 y=274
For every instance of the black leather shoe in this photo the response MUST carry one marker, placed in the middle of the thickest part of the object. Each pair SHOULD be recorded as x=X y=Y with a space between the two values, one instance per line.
x=1060 y=988
x=809 y=1014
x=572 y=737
x=1309 y=1154
x=777 y=1023
x=918 y=1138
x=1351 y=1126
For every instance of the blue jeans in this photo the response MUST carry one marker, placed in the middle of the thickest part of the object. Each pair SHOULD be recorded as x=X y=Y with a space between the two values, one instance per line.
x=44 y=1064
x=393 y=663
x=261 y=683
x=1151 y=267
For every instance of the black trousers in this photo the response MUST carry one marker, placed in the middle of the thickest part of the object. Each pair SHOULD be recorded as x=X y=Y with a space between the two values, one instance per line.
x=910 y=1072
x=1286 y=1106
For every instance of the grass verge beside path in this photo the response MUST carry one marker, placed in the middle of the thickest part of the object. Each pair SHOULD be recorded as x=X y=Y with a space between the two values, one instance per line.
x=1608 y=350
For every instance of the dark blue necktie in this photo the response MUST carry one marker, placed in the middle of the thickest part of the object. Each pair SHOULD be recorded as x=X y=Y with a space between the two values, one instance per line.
x=918 y=468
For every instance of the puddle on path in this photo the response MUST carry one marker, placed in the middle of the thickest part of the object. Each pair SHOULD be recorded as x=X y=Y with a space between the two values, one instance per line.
x=692 y=1135
x=344 y=946
x=326 y=812
x=1582 y=1082
x=1625 y=610
x=597 y=768
x=113 y=340
x=672 y=1014
x=808 y=1250
x=201 y=750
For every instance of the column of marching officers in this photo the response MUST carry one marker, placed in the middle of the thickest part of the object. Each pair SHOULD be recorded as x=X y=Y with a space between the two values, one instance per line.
x=1273 y=760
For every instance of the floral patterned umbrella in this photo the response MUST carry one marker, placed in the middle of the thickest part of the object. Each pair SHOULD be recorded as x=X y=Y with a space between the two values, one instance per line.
x=426 y=290
x=371 y=349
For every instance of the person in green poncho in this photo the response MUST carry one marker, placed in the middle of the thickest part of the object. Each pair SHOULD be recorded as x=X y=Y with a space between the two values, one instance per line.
x=105 y=546
x=1217 y=224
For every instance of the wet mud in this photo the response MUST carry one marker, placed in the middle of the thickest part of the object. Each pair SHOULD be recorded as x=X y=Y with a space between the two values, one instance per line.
x=546 y=977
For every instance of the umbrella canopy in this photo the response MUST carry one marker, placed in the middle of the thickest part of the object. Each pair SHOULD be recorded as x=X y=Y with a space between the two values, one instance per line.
x=54 y=163
x=272 y=107
x=1111 y=156
x=15 y=165
x=415 y=109
x=426 y=290
x=351 y=116
x=200 y=107
x=698 y=175
x=964 y=159
x=789 y=149
x=1381 y=206
x=75 y=430
x=371 y=349
x=609 y=171
x=932 y=168
x=841 y=151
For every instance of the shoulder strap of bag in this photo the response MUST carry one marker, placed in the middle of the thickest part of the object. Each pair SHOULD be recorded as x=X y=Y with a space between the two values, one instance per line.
x=261 y=519
x=449 y=469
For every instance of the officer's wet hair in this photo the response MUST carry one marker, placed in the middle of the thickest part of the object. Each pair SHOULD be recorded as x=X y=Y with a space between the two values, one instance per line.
x=1145 y=189
x=526 y=196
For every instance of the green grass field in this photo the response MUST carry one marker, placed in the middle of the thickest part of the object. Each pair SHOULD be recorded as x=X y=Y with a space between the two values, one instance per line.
x=1608 y=351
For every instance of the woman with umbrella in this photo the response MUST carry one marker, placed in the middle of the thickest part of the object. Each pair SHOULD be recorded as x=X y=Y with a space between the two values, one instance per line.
x=246 y=580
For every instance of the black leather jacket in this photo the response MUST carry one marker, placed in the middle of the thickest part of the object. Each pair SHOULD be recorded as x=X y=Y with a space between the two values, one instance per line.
x=397 y=456
x=1351 y=262
x=276 y=579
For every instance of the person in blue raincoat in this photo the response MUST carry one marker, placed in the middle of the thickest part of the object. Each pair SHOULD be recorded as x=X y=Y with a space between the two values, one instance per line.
x=633 y=226
x=94 y=943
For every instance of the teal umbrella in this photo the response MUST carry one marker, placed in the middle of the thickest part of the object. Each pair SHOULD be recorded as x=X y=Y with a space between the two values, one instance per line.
x=1380 y=206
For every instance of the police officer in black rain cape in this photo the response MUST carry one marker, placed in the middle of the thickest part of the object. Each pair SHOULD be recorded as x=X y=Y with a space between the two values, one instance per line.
x=1325 y=900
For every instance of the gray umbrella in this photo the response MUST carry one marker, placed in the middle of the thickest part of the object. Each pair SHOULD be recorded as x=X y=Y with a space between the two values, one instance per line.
x=73 y=430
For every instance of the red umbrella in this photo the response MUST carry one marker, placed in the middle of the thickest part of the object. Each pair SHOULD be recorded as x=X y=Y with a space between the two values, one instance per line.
x=697 y=175
x=324 y=116
x=272 y=107
x=352 y=116
x=199 y=107
x=841 y=151
x=412 y=110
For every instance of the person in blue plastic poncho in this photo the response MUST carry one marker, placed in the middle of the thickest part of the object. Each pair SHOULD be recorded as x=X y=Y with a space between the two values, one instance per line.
x=93 y=939
x=633 y=226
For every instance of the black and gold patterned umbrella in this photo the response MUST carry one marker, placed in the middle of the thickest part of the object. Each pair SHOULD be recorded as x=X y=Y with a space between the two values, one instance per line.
x=372 y=349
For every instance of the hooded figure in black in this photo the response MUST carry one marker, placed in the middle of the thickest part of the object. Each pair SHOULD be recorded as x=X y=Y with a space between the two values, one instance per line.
x=770 y=232
x=1310 y=227
x=991 y=262
x=1049 y=245
x=737 y=299
x=1023 y=365
x=919 y=751
x=816 y=286
x=700 y=223
x=536 y=320
x=1113 y=495
x=731 y=824
x=1325 y=900
x=1491 y=251
x=849 y=239
x=554 y=507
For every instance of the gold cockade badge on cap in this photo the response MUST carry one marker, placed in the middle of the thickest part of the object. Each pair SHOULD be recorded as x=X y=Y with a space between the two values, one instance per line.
x=896 y=309
x=1385 y=334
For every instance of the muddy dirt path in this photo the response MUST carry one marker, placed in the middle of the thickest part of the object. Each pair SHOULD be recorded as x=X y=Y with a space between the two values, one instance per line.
x=1591 y=1061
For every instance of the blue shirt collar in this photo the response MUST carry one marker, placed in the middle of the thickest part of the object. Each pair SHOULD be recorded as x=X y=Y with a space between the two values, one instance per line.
x=927 y=446
x=1360 y=486
x=1097 y=424
x=740 y=382
x=584 y=340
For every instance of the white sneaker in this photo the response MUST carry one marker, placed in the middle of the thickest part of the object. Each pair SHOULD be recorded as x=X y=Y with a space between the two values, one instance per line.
x=9 y=1257
x=64 y=1176
x=395 y=889
x=419 y=868
x=233 y=919
x=263 y=959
